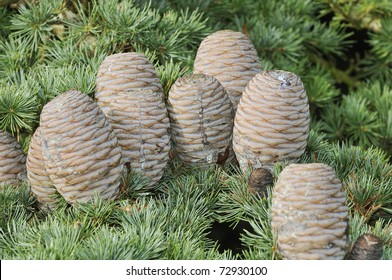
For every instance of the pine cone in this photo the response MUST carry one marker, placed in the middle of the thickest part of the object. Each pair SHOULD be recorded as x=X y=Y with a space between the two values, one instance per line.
x=79 y=148
x=122 y=72
x=309 y=213
x=201 y=118
x=12 y=159
x=231 y=58
x=258 y=181
x=40 y=183
x=272 y=120
x=131 y=95
x=139 y=119
x=367 y=247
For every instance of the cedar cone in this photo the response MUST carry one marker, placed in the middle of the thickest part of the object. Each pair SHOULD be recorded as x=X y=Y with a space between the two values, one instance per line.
x=131 y=95
x=201 y=116
x=272 y=120
x=122 y=72
x=367 y=247
x=80 y=150
x=258 y=181
x=12 y=159
x=309 y=213
x=40 y=183
x=231 y=58
x=139 y=119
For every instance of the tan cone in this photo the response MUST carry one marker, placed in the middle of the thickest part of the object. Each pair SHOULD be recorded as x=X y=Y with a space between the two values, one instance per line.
x=309 y=214
x=122 y=72
x=139 y=118
x=80 y=149
x=231 y=58
x=272 y=120
x=40 y=183
x=12 y=159
x=201 y=116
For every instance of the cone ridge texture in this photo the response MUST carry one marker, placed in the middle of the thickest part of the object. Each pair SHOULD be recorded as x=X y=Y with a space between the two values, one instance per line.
x=272 y=120
x=12 y=159
x=140 y=121
x=122 y=72
x=309 y=213
x=40 y=183
x=201 y=116
x=80 y=150
x=231 y=58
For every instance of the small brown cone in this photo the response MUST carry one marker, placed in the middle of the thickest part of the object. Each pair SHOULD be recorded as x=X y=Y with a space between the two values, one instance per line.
x=121 y=72
x=80 y=149
x=309 y=214
x=201 y=116
x=231 y=58
x=272 y=120
x=367 y=247
x=258 y=181
x=12 y=159
x=140 y=121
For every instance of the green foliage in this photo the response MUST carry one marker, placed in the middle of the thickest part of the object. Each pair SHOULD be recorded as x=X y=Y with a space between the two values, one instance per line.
x=379 y=41
x=366 y=175
x=18 y=107
x=169 y=72
x=173 y=225
x=363 y=117
x=15 y=204
x=114 y=244
x=377 y=63
x=4 y=22
x=51 y=239
x=238 y=204
x=359 y=14
x=75 y=76
x=320 y=88
x=333 y=124
x=372 y=17
x=15 y=57
x=362 y=124
x=35 y=22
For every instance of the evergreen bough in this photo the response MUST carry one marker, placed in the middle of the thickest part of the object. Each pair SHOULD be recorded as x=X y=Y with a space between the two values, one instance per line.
x=341 y=50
